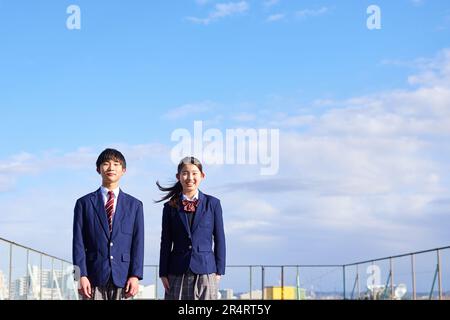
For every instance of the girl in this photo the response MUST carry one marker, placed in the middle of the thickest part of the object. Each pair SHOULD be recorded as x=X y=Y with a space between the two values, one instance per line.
x=189 y=266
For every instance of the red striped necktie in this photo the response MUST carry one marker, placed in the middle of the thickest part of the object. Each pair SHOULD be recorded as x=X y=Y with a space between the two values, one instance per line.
x=109 y=207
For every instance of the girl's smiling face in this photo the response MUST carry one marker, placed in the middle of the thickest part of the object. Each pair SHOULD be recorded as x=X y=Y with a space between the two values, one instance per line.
x=190 y=178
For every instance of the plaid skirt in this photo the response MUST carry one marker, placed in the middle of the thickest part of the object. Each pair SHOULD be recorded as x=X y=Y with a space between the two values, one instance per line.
x=191 y=286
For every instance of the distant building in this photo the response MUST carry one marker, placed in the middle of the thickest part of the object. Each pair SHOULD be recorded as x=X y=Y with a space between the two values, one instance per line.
x=43 y=284
x=146 y=292
x=19 y=289
x=3 y=286
x=284 y=293
x=226 y=294
x=254 y=295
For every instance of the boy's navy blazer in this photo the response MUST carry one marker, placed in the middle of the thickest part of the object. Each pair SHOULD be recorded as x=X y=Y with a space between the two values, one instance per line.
x=183 y=247
x=100 y=254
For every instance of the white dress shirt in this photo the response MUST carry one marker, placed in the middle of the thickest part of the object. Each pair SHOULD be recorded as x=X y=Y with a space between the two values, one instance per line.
x=105 y=196
x=184 y=197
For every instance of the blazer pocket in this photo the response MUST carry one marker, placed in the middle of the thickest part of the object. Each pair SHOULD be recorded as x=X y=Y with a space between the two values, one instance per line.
x=127 y=228
x=207 y=223
x=91 y=256
x=207 y=220
x=126 y=257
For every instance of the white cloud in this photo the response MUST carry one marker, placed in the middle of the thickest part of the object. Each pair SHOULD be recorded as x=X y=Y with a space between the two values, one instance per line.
x=270 y=3
x=287 y=121
x=18 y=164
x=27 y=164
x=435 y=72
x=15 y=166
x=245 y=225
x=202 y=2
x=370 y=170
x=371 y=166
x=265 y=240
x=244 y=117
x=189 y=109
x=221 y=11
x=276 y=17
x=312 y=12
x=41 y=210
x=6 y=183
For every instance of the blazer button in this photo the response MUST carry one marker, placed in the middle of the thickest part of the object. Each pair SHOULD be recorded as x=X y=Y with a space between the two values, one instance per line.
x=111 y=244
x=112 y=257
x=190 y=247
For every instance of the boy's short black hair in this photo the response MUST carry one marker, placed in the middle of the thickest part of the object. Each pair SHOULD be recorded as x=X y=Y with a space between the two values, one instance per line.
x=111 y=154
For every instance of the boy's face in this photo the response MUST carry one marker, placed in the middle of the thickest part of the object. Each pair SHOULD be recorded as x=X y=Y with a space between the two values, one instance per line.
x=190 y=178
x=111 y=171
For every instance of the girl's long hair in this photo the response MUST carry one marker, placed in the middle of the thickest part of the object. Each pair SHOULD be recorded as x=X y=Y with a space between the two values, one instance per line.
x=173 y=192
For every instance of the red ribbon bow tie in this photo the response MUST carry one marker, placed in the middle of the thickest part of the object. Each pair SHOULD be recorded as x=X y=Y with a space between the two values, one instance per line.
x=190 y=206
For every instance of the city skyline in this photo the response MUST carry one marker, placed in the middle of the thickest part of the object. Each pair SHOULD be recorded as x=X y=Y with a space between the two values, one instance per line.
x=406 y=276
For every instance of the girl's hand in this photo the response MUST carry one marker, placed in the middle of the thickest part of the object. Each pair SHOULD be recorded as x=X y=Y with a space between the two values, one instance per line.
x=165 y=282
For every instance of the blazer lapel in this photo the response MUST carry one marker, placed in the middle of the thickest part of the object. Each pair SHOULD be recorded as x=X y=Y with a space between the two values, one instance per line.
x=200 y=212
x=119 y=213
x=99 y=206
x=183 y=218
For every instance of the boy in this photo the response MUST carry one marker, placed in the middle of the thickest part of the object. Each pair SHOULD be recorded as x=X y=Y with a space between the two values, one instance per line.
x=108 y=235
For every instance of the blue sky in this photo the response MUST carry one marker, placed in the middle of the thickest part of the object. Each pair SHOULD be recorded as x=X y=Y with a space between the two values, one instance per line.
x=364 y=118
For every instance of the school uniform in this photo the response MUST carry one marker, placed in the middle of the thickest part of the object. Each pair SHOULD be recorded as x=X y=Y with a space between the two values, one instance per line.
x=108 y=249
x=187 y=255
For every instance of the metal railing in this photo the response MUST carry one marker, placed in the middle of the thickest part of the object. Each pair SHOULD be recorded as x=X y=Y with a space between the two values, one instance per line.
x=251 y=282
x=28 y=274
x=415 y=275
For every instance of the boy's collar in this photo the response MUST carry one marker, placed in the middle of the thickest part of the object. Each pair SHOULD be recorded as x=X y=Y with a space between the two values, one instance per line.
x=106 y=190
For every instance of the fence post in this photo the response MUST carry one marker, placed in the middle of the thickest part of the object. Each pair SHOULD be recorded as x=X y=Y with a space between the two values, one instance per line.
x=251 y=282
x=413 y=271
x=156 y=282
x=51 y=276
x=392 y=277
x=262 y=282
x=282 y=282
x=297 y=281
x=439 y=274
x=343 y=279
x=357 y=275
x=10 y=271
x=27 y=282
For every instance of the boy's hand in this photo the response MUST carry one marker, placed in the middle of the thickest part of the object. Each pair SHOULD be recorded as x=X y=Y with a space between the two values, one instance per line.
x=132 y=287
x=85 y=287
x=165 y=282
x=218 y=277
